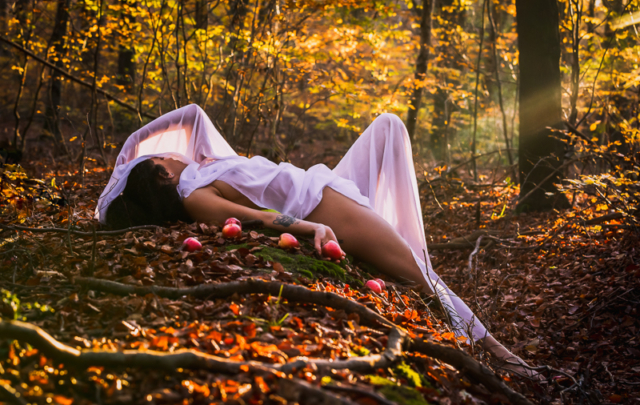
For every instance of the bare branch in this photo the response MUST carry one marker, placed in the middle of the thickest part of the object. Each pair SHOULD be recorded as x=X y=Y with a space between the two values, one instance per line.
x=73 y=78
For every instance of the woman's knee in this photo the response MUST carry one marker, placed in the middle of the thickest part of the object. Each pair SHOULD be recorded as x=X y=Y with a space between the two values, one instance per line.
x=391 y=128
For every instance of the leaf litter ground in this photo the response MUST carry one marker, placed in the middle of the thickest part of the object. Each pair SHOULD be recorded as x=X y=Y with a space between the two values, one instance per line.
x=570 y=304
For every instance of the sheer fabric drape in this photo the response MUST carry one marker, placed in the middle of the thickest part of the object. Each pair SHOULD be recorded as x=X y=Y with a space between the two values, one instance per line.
x=380 y=163
x=186 y=134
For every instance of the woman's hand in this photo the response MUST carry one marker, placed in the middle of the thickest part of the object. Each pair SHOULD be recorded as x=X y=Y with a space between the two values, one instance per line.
x=324 y=234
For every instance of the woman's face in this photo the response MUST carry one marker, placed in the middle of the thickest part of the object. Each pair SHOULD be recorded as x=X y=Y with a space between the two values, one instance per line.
x=173 y=169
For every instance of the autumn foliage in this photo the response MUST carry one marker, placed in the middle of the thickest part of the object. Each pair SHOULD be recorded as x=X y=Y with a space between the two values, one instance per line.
x=298 y=81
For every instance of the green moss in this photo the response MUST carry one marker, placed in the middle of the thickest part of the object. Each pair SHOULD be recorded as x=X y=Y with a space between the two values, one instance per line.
x=397 y=393
x=361 y=351
x=305 y=265
x=232 y=247
x=403 y=395
x=298 y=263
x=414 y=378
x=377 y=380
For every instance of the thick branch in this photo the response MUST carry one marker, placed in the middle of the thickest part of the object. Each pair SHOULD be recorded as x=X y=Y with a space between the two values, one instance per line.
x=299 y=391
x=397 y=338
x=604 y=218
x=11 y=396
x=73 y=78
x=77 y=233
x=251 y=286
x=470 y=367
x=464 y=242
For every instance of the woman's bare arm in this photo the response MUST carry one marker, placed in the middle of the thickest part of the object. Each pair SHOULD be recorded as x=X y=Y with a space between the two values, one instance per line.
x=205 y=205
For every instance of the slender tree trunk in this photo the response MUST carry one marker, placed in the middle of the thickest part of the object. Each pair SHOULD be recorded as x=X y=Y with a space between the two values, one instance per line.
x=447 y=16
x=421 y=66
x=540 y=154
x=439 y=125
x=202 y=14
x=493 y=35
x=21 y=10
x=475 y=103
x=17 y=136
x=3 y=17
x=58 y=42
x=126 y=75
x=576 y=20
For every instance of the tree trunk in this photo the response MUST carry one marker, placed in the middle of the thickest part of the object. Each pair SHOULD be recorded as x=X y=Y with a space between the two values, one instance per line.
x=447 y=20
x=540 y=154
x=58 y=43
x=126 y=51
x=3 y=16
x=421 y=66
x=202 y=14
x=439 y=121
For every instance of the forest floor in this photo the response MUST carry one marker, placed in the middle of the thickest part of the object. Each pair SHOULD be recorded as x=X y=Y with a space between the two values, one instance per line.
x=556 y=289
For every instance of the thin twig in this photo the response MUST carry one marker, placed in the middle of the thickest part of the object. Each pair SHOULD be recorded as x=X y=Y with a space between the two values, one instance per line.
x=72 y=77
x=471 y=256
x=77 y=233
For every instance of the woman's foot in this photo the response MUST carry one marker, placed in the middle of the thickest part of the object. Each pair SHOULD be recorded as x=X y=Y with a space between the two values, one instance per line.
x=509 y=361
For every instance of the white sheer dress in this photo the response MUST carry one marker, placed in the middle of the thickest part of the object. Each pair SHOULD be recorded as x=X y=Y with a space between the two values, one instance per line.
x=377 y=172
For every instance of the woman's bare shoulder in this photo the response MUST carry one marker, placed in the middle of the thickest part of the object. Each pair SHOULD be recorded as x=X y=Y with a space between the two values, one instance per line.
x=202 y=195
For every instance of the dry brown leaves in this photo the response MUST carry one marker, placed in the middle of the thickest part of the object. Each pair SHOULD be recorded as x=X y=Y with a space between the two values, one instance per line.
x=39 y=268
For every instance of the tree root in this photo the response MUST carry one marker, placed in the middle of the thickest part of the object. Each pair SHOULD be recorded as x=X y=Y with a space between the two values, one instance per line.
x=398 y=338
x=9 y=395
x=468 y=366
x=464 y=242
x=77 y=233
x=250 y=286
x=299 y=391
x=371 y=394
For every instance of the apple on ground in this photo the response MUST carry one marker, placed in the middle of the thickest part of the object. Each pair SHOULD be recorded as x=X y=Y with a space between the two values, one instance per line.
x=233 y=220
x=383 y=285
x=191 y=244
x=231 y=231
x=332 y=250
x=374 y=286
x=288 y=241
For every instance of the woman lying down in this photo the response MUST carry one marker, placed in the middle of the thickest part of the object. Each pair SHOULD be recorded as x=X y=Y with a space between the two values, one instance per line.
x=179 y=167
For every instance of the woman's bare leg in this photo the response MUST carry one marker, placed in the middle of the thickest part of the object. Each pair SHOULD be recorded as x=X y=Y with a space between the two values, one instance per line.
x=368 y=237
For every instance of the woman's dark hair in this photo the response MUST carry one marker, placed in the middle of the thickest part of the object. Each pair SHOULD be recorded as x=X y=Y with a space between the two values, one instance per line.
x=146 y=199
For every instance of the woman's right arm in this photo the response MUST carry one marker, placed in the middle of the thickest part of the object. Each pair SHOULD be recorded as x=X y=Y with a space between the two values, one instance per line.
x=205 y=205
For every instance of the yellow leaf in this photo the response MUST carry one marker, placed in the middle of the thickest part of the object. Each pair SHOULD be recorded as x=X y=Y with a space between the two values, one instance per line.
x=73 y=139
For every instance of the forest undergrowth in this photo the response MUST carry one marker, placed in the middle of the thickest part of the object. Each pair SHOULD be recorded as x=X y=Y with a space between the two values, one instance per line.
x=559 y=289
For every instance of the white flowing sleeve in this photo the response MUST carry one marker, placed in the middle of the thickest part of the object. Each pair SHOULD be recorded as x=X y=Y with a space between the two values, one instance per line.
x=186 y=134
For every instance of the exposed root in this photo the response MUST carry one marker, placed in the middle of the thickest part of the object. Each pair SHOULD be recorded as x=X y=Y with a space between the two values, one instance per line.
x=398 y=338
x=299 y=391
x=9 y=395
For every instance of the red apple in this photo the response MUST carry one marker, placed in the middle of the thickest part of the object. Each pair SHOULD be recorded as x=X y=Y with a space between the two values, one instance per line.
x=374 y=286
x=233 y=221
x=288 y=241
x=231 y=231
x=332 y=250
x=191 y=245
x=382 y=283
